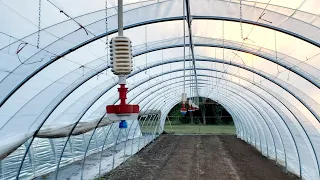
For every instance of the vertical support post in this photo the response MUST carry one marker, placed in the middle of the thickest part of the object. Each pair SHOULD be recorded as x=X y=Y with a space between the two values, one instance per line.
x=141 y=131
x=154 y=125
x=170 y=125
x=157 y=127
x=148 y=126
x=184 y=47
x=103 y=146
x=115 y=149
x=88 y=144
x=71 y=149
x=151 y=126
x=2 y=169
x=133 y=139
x=53 y=150
x=125 y=143
x=30 y=155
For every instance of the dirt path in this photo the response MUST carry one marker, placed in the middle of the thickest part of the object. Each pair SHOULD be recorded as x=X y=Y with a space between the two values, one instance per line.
x=193 y=157
x=250 y=163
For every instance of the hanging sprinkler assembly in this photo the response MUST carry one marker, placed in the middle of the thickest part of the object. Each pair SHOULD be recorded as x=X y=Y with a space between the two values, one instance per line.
x=183 y=109
x=121 y=63
x=190 y=109
x=195 y=107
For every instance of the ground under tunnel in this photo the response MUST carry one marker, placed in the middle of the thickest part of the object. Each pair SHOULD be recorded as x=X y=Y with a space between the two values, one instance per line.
x=218 y=157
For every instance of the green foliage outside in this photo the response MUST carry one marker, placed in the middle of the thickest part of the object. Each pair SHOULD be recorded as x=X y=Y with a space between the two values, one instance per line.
x=200 y=129
x=175 y=113
x=210 y=112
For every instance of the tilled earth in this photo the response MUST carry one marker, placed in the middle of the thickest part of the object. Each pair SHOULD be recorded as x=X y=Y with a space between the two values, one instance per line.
x=205 y=157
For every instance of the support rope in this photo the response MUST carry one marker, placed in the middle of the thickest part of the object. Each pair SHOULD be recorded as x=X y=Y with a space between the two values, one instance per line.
x=107 y=38
x=39 y=24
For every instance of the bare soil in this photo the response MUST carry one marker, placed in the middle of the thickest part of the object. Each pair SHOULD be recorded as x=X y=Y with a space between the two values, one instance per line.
x=205 y=157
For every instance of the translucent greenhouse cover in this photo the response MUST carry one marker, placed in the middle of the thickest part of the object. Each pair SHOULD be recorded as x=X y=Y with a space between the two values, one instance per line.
x=260 y=59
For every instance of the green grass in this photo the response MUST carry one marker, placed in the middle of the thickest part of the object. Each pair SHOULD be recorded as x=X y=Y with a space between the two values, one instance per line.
x=200 y=129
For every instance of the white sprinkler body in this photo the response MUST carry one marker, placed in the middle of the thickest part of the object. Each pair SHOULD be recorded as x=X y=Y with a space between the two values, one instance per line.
x=121 y=55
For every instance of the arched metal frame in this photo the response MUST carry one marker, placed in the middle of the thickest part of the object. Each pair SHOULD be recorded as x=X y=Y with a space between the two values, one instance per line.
x=299 y=100
x=250 y=118
x=103 y=143
x=227 y=47
x=206 y=45
x=281 y=138
x=194 y=17
x=246 y=68
x=231 y=112
x=302 y=127
x=153 y=96
x=156 y=84
x=177 y=82
x=234 y=116
x=315 y=114
x=161 y=64
x=150 y=67
x=68 y=137
x=255 y=53
x=83 y=162
x=250 y=125
x=245 y=21
x=296 y=120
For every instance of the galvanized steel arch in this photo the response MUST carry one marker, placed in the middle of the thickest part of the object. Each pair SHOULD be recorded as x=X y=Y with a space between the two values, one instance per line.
x=173 y=18
x=247 y=125
x=314 y=152
x=200 y=76
x=312 y=146
x=281 y=138
x=261 y=129
x=37 y=131
x=88 y=79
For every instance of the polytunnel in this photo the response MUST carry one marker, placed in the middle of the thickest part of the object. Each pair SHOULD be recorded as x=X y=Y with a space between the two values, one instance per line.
x=258 y=58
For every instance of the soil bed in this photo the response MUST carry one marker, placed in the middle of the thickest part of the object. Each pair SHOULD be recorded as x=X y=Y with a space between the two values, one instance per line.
x=218 y=157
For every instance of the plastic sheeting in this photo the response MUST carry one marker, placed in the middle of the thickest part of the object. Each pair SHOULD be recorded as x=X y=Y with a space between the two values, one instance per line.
x=45 y=151
x=259 y=59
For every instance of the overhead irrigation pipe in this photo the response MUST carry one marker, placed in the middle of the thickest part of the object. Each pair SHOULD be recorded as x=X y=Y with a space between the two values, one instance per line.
x=120 y=17
x=183 y=109
x=184 y=46
x=191 y=42
x=184 y=95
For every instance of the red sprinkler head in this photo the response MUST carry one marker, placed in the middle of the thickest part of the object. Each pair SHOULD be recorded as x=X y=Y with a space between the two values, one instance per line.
x=123 y=111
x=183 y=109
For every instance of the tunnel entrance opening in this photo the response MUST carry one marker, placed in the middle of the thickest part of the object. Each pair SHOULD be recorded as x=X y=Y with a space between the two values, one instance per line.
x=210 y=112
x=211 y=118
